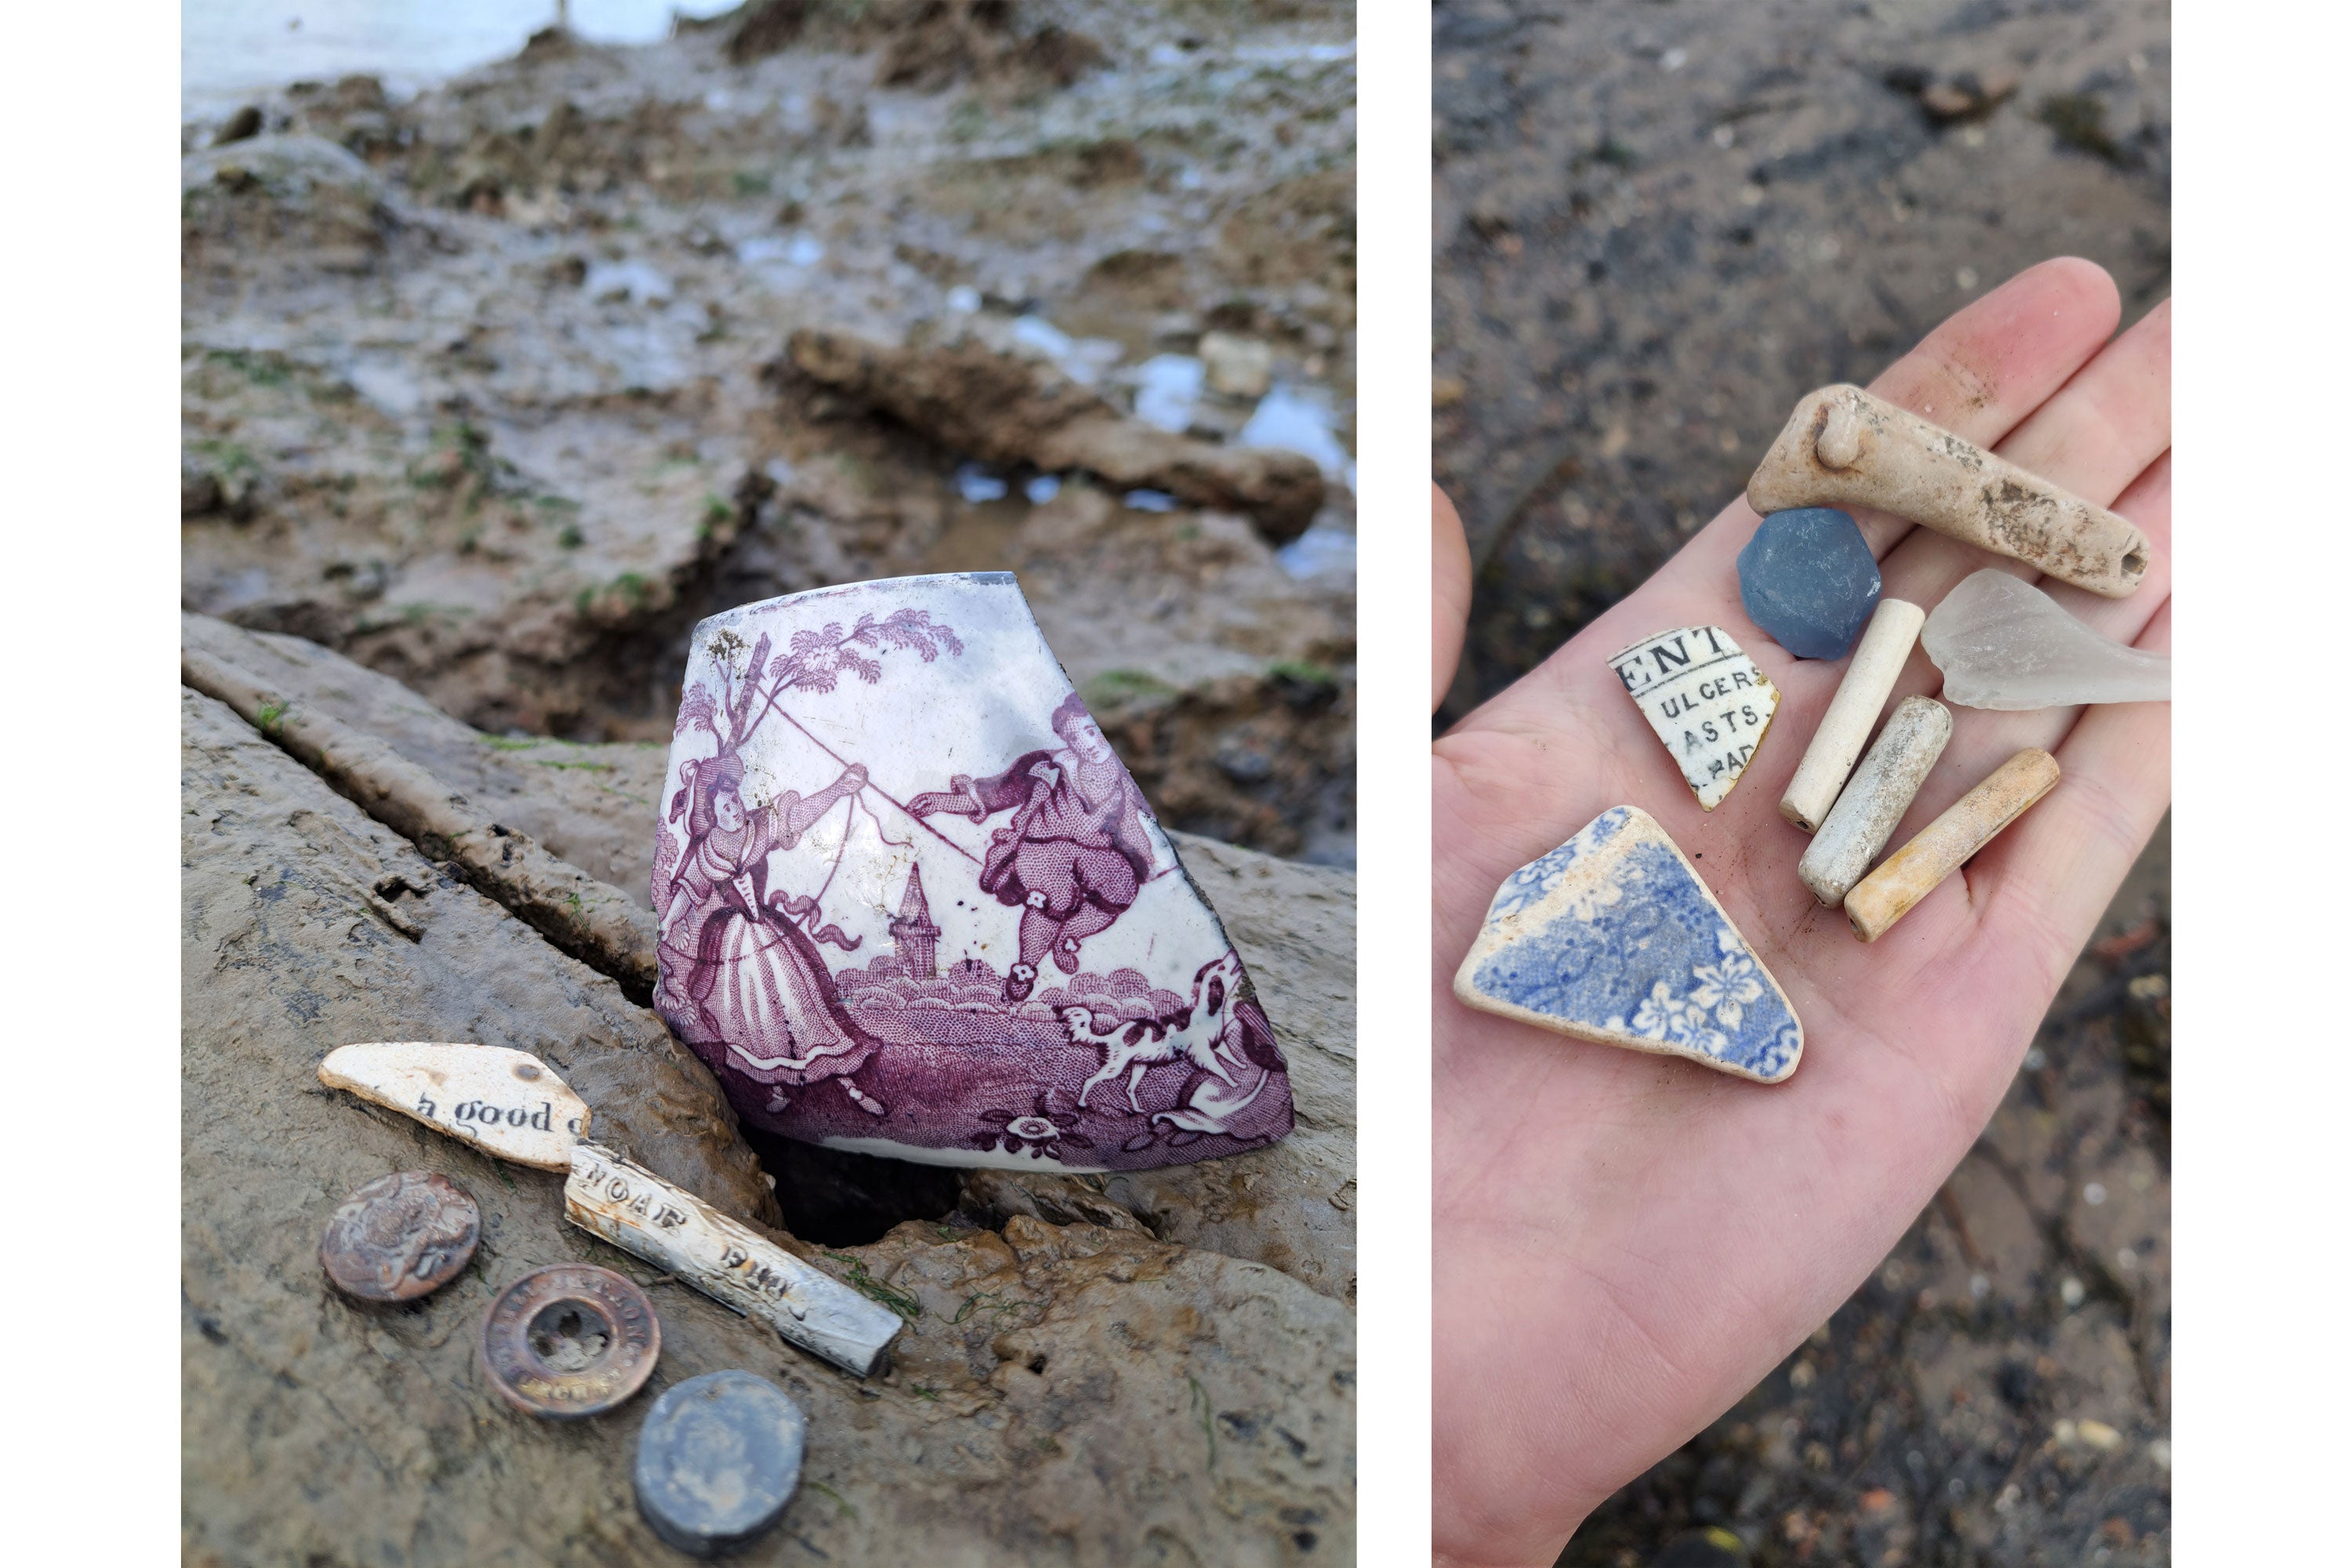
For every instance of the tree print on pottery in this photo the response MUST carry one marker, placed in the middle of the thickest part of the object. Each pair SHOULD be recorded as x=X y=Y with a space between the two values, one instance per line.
x=912 y=903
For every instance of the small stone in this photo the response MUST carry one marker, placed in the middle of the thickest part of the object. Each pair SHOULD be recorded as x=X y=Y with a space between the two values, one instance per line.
x=1237 y=366
x=668 y=1226
x=1706 y=701
x=1613 y=938
x=718 y=1458
x=1809 y=580
x=505 y=1103
x=2006 y=645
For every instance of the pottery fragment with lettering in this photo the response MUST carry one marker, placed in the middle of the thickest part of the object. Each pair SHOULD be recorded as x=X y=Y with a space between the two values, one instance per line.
x=732 y=1264
x=911 y=903
x=1706 y=701
x=1613 y=938
x=505 y=1103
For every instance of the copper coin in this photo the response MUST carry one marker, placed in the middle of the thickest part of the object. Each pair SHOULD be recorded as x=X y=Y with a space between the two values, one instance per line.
x=400 y=1237
x=570 y=1339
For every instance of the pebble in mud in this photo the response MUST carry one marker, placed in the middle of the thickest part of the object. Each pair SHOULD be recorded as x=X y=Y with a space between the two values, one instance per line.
x=718 y=1459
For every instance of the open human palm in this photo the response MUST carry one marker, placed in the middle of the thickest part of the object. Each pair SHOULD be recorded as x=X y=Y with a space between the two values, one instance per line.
x=1627 y=1243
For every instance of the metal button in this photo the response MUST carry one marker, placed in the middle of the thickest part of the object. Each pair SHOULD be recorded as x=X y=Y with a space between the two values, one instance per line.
x=570 y=1341
x=718 y=1458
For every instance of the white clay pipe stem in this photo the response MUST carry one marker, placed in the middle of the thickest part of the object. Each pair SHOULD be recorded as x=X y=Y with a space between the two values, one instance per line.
x=1881 y=790
x=1844 y=447
x=1941 y=847
x=671 y=1228
x=1877 y=662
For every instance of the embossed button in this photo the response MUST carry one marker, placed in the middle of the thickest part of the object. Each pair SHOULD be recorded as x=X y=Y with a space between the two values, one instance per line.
x=400 y=1237
x=718 y=1458
x=570 y=1341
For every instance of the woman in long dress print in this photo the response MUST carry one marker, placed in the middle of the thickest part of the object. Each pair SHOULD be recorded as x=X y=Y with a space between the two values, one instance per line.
x=742 y=982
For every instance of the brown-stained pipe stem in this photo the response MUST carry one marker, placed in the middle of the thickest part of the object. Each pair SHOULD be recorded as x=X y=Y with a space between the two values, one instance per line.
x=1941 y=847
x=1843 y=447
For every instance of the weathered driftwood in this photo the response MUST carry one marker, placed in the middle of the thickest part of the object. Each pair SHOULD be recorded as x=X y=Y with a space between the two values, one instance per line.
x=590 y=919
x=1843 y=447
x=1941 y=847
x=638 y=1212
x=503 y=1101
x=1003 y=408
x=1829 y=758
x=1858 y=826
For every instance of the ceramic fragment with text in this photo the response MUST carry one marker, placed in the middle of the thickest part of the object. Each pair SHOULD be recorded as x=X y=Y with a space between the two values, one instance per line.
x=911 y=903
x=1613 y=938
x=506 y=1102
x=1706 y=701
x=664 y=1224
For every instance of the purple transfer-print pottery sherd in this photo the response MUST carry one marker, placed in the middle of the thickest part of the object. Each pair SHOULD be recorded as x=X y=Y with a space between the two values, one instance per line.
x=911 y=903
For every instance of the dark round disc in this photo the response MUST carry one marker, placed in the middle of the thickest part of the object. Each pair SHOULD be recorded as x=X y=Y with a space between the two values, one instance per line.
x=569 y=1340
x=718 y=1458
x=400 y=1237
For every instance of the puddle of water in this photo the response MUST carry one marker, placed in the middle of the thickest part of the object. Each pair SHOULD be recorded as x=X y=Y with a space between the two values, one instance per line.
x=1300 y=421
x=230 y=49
x=1082 y=359
x=641 y=281
x=977 y=485
x=1321 y=551
x=1167 y=386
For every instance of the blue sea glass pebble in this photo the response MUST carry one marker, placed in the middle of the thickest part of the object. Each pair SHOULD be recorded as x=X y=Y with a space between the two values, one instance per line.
x=718 y=1458
x=1808 y=580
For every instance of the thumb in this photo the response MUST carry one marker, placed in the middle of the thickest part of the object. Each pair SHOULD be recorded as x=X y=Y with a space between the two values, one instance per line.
x=1449 y=583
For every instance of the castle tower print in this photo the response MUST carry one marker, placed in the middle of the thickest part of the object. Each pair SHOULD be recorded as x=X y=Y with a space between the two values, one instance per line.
x=916 y=938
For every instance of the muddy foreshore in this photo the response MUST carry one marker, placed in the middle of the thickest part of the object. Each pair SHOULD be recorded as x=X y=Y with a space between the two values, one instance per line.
x=495 y=390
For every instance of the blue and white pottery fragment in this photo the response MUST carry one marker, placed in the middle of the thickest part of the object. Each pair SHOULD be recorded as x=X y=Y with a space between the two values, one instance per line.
x=1613 y=938
x=912 y=903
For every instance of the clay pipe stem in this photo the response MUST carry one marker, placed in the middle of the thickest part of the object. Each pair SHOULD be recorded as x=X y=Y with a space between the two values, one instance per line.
x=1829 y=758
x=1844 y=447
x=1881 y=790
x=1941 y=847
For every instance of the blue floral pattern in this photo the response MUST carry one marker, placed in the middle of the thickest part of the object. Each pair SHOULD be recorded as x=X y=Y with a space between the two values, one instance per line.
x=1533 y=882
x=1632 y=946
